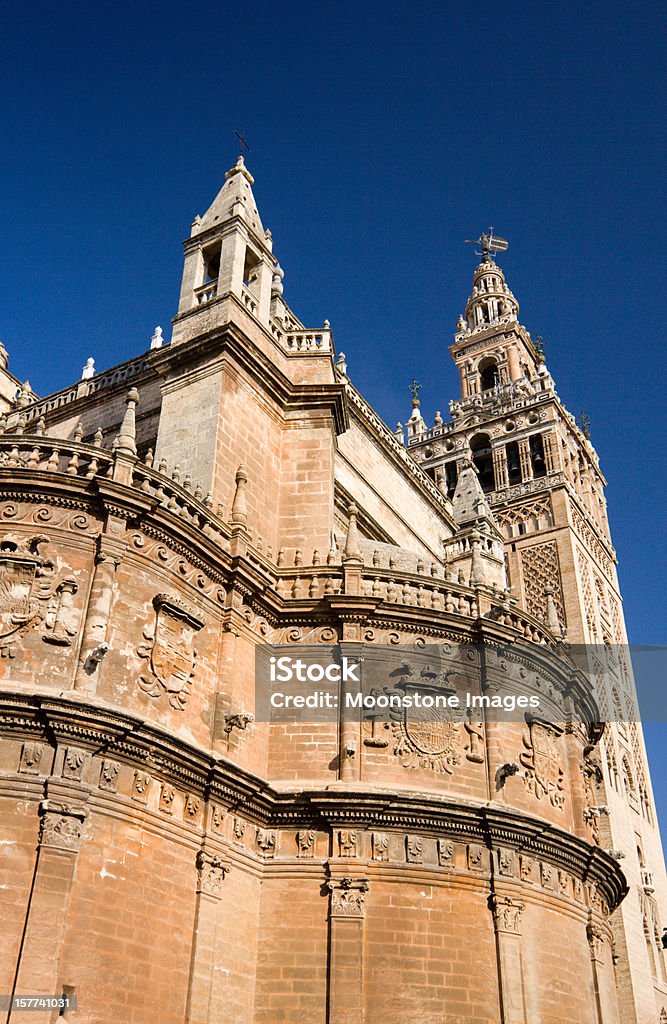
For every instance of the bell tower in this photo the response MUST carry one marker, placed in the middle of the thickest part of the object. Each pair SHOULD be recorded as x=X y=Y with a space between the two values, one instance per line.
x=245 y=384
x=228 y=253
x=541 y=477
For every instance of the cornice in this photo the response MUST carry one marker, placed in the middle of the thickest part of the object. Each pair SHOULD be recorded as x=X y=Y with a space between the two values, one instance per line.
x=112 y=731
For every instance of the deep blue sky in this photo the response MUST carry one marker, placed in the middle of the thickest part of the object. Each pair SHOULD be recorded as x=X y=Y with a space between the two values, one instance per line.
x=382 y=136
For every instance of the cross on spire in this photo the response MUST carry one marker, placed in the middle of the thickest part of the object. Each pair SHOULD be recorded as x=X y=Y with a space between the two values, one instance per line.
x=243 y=144
x=414 y=387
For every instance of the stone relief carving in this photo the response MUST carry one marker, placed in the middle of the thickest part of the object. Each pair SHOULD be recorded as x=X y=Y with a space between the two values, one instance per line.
x=74 y=762
x=108 y=775
x=170 y=651
x=267 y=840
x=414 y=849
x=506 y=862
x=541 y=759
x=596 y=940
x=142 y=781
x=380 y=845
x=62 y=619
x=348 y=897
x=167 y=794
x=507 y=914
x=191 y=807
x=445 y=852
x=211 y=871
x=61 y=825
x=347 y=842
x=305 y=841
x=434 y=738
x=28 y=595
x=31 y=758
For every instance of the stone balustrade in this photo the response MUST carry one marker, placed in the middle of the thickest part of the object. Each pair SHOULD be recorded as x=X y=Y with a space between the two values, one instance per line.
x=123 y=373
x=205 y=292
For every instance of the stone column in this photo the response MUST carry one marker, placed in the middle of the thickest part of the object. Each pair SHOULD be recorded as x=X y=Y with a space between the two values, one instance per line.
x=500 y=467
x=524 y=458
x=606 y=1007
x=107 y=560
x=551 y=453
x=513 y=360
x=346 y=952
x=211 y=871
x=63 y=816
x=507 y=921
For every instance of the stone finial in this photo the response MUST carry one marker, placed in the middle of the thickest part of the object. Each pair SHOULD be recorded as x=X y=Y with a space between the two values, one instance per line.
x=398 y=433
x=4 y=357
x=89 y=369
x=239 y=506
x=277 y=280
x=157 y=340
x=341 y=364
x=352 y=549
x=551 y=618
x=126 y=441
x=25 y=395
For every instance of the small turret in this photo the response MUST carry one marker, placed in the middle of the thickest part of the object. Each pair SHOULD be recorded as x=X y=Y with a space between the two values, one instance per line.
x=229 y=253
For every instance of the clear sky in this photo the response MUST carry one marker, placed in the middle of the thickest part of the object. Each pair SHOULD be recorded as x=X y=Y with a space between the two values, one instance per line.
x=382 y=136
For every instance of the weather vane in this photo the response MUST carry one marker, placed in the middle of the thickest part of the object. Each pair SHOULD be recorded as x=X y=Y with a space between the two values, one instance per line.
x=242 y=140
x=414 y=388
x=489 y=243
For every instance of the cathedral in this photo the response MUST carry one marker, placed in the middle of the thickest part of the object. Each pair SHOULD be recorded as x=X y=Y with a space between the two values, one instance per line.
x=172 y=851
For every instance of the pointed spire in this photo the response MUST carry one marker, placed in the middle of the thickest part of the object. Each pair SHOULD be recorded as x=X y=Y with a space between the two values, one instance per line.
x=235 y=198
x=239 y=506
x=469 y=502
x=126 y=441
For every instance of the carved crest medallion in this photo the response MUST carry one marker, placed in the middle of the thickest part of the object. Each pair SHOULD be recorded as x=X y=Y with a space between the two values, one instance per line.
x=544 y=774
x=428 y=736
x=26 y=578
x=170 y=651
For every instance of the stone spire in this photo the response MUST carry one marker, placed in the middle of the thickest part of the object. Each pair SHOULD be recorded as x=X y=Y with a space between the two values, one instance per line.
x=228 y=254
x=469 y=503
x=235 y=198
x=477 y=547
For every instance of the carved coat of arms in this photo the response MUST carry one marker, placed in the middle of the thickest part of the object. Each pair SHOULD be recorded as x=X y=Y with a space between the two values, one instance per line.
x=544 y=774
x=170 y=650
x=428 y=736
x=26 y=586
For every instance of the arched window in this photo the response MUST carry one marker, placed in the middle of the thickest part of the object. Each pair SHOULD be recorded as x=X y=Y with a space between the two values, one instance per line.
x=480 y=447
x=488 y=374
